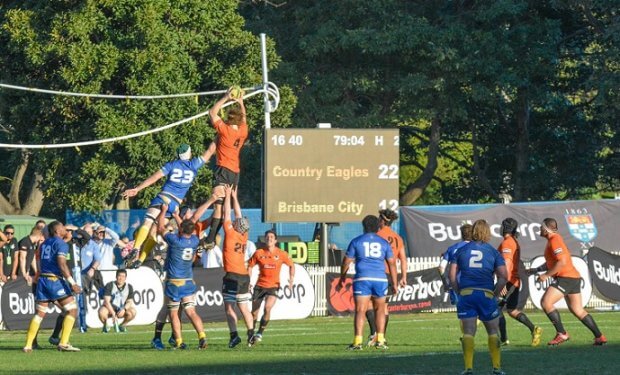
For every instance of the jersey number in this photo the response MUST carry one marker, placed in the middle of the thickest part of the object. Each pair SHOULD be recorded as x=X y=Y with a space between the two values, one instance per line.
x=181 y=176
x=46 y=252
x=475 y=260
x=372 y=250
x=188 y=254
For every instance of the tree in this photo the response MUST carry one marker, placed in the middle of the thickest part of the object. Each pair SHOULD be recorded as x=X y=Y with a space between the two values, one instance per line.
x=133 y=47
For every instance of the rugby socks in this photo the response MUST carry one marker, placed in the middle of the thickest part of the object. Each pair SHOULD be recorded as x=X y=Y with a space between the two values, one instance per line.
x=149 y=244
x=250 y=333
x=140 y=236
x=357 y=340
x=502 y=329
x=554 y=317
x=588 y=321
x=387 y=319
x=523 y=319
x=58 y=326
x=468 y=351
x=202 y=335
x=234 y=334
x=263 y=325
x=216 y=224
x=159 y=327
x=380 y=337
x=67 y=326
x=494 y=344
x=178 y=341
x=33 y=329
x=370 y=316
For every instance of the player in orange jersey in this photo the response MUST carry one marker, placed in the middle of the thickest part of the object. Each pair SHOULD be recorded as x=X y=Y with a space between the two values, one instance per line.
x=566 y=284
x=386 y=218
x=269 y=261
x=231 y=135
x=511 y=252
x=236 y=282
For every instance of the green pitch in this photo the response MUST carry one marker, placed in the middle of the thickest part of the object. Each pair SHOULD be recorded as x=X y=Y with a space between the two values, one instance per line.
x=419 y=344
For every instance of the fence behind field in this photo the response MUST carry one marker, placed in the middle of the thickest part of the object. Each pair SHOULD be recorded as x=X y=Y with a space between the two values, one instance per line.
x=317 y=274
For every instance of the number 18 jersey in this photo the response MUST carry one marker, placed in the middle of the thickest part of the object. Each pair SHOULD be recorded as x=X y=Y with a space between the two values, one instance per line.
x=370 y=252
x=180 y=255
x=477 y=262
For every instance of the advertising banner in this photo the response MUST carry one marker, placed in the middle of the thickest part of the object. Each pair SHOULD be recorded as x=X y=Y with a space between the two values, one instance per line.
x=293 y=303
x=18 y=306
x=537 y=289
x=424 y=291
x=582 y=224
x=605 y=273
x=148 y=296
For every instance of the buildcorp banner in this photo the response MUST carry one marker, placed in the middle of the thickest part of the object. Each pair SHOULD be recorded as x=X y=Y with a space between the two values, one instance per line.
x=424 y=291
x=605 y=272
x=582 y=224
x=18 y=306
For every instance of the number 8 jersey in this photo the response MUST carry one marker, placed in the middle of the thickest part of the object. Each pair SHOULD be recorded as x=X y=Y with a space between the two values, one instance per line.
x=180 y=255
x=477 y=262
x=180 y=176
x=370 y=252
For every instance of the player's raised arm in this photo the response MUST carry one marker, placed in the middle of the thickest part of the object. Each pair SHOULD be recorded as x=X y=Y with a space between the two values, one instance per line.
x=209 y=152
x=161 y=220
x=214 y=111
x=227 y=199
x=146 y=183
x=235 y=202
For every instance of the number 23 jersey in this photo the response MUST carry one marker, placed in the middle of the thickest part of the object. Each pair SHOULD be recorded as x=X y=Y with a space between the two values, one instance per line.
x=180 y=255
x=180 y=175
x=477 y=262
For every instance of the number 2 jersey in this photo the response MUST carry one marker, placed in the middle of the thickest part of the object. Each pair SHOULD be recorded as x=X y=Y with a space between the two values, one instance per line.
x=370 y=252
x=477 y=262
x=180 y=255
x=180 y=176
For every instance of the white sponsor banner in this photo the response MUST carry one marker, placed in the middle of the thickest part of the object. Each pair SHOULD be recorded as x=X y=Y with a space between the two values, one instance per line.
x=148 y=296
x=293 y=303
x=537 y=289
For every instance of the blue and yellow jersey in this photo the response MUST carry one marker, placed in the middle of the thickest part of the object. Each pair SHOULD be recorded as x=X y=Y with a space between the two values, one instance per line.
x=370 y=252
x=51 y=249
x=180 y=176
x=477 y=262
x=180 y=256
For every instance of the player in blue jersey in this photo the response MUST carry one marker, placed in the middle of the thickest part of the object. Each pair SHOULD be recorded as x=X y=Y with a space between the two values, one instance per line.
x=449 y=255
x=370 y=253
x=180 y=175
x=179 y=287
x=477 y=263
x=55 y=285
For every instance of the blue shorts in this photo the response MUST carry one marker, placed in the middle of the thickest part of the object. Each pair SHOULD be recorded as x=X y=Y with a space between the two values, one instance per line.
x=161 y=198
x=52 y=289
x=474 y=303
x=375 y=288
x=178 y=289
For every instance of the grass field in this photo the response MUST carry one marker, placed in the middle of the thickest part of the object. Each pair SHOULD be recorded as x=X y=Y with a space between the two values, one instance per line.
x=419 y=344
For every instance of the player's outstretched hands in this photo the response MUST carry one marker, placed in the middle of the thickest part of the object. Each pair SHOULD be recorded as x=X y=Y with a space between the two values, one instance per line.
x=130 y=193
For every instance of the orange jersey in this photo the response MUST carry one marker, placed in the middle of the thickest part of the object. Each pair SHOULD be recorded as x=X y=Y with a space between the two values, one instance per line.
x=229 y=143
x=554 y=251
x=201 y=226
x=269 y=266
x=511 y=252
x=234 y=249
x=395 y=241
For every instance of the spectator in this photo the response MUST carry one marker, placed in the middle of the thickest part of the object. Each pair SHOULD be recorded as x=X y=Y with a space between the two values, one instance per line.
x=120 y=252
x=213 y=258
x=26 y=249
x=117 y=303
x=6 y=253
x=106 y=239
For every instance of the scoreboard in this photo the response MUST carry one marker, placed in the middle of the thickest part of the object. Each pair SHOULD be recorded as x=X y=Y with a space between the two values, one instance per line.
x=329 y=175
